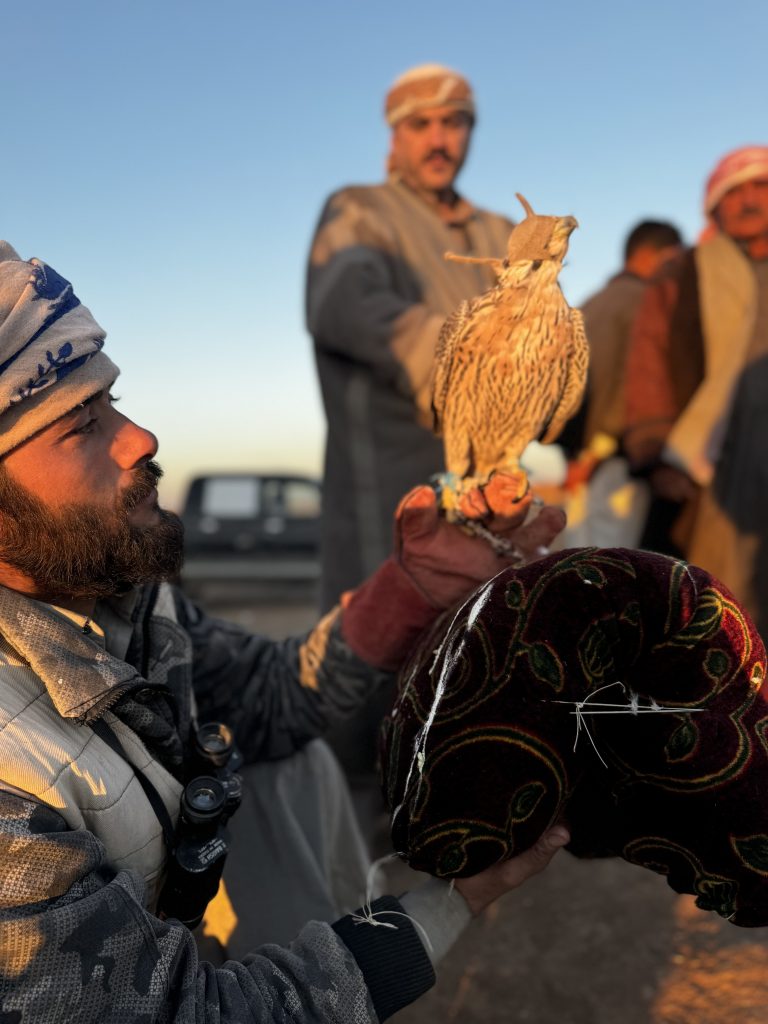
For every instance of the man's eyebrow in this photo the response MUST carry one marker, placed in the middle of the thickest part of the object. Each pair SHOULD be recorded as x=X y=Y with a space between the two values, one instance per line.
x=85 y=402
x=65 y=420
x=88 y=401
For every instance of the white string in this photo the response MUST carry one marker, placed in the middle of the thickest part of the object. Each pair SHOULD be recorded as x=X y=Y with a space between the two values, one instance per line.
x=579 y=705
x=367 y=915
x=420 y=741
x=633 y=707
x=373 y=870
x=623 y=709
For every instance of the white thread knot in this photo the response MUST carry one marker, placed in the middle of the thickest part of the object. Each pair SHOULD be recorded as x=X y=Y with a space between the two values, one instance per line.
x=367 y=914
x=632 y=707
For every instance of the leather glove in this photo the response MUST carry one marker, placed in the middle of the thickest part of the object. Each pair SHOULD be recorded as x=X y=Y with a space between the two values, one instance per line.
x=436 y=564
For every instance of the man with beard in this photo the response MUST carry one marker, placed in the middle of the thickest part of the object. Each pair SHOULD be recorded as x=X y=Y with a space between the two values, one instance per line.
x=105 y=671
x=697 y=389
x=378 y=291
x=607 y=508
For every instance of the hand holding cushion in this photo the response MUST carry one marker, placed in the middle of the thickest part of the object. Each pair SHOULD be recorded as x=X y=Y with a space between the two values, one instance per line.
x=498 y=729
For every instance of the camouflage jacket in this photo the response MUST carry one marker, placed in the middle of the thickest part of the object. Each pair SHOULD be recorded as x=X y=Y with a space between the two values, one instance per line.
x=77 y=941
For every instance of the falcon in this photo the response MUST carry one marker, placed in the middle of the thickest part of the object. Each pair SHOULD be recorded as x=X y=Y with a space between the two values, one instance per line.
x=511 y=363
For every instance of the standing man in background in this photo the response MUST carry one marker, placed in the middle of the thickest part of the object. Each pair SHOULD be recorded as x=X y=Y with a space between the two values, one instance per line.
x=697 y=387
x=609 y=508
x=378 y=292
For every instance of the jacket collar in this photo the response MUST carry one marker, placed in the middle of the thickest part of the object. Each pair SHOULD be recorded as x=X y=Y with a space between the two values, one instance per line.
x=82 y=679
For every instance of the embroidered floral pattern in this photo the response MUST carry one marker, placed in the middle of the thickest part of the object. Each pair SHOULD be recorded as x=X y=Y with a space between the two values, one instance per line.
x=622 y=689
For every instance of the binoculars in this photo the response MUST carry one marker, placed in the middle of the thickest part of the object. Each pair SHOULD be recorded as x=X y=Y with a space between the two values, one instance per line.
x=202 y=840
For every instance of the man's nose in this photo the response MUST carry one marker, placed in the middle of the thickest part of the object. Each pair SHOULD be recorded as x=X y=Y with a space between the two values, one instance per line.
x=436 y=135
x=133 y=444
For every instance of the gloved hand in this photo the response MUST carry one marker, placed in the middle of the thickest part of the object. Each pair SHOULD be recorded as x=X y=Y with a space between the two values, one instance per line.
x=445 y=563
x=436 y=564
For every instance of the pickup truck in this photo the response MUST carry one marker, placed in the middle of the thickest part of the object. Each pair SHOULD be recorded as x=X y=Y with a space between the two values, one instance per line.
x=243 y=525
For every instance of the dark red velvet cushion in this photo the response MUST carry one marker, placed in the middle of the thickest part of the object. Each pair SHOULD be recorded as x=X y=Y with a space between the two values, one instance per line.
x=479 y=757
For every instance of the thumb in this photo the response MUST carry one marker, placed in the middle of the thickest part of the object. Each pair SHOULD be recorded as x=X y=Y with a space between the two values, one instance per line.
x=417 y=513
x=537 y=857
x=547 y=845
x=480 y=890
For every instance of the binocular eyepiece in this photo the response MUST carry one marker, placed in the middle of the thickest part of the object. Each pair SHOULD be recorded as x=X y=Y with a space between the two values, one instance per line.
x=203 y=801
x=214 y=743
x=202 y=841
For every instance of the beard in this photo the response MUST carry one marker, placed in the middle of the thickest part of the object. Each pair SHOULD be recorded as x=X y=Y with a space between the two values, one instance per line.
x=83 y=551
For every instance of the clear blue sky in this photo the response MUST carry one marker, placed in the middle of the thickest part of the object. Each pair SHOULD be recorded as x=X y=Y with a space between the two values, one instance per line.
x=171 y=158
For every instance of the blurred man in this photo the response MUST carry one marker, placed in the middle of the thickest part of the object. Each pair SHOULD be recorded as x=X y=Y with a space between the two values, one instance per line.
x=108 y=827
x=378 y=292
x=697 y=388
x=609 y=507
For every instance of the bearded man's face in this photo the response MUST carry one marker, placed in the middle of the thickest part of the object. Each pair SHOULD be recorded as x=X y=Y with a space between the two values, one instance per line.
x=742 y=213
x=429 y=147
x=86 y=550
x=79 y=513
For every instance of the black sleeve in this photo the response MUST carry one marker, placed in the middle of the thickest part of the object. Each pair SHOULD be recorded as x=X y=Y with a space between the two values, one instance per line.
x=275 y=695
x=382 y=953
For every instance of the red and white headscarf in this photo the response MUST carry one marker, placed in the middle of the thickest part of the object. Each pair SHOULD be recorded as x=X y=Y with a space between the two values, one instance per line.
x=736 y=167
x=429 y=85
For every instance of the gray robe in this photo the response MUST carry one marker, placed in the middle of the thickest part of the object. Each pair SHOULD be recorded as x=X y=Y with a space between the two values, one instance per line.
x=378 y=292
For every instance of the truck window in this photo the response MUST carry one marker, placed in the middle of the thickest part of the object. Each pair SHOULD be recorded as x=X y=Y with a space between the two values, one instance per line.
x=231 y=498
x=301 y=499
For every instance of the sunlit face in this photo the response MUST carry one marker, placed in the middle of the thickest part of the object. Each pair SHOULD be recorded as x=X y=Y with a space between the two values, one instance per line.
x=742 y=213
x=79 y=516
x=430 y=146
x=90 y=455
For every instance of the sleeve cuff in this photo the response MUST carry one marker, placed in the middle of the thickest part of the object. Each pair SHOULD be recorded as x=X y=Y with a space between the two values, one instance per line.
x=384 y=617
x=441 y=911
x=393 y=961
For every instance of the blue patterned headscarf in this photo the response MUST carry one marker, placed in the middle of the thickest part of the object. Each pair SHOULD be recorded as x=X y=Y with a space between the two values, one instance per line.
x=51 y=356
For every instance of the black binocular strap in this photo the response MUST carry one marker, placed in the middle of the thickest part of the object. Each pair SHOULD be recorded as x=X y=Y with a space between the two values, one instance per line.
x=107 y=734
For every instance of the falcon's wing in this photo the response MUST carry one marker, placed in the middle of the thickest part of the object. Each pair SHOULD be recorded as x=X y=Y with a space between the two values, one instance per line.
x=450 y=334
x=576 y=350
